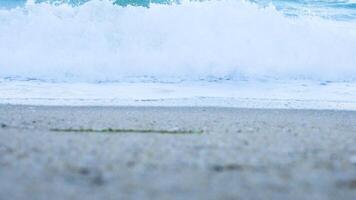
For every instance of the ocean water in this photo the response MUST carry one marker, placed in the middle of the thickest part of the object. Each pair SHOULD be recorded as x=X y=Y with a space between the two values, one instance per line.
x=278 y=50
x=81 y=40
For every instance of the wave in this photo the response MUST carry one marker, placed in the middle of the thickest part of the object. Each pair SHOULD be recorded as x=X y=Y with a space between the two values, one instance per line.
x=100 y=41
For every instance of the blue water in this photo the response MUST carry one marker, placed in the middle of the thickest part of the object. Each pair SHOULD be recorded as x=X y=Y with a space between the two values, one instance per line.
x=332 y=9
x=146 y=3
x=339 y=9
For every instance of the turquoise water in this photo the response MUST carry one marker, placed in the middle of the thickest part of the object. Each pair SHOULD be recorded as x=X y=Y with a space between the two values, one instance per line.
x=146 y=3
x=332 y=9
x=339 y=9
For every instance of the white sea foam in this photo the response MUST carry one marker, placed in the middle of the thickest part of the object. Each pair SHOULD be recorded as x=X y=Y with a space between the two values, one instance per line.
x=101 y=41
x=289 y=94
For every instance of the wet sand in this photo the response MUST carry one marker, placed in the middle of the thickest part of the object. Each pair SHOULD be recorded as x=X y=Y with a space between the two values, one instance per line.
x=176 y=153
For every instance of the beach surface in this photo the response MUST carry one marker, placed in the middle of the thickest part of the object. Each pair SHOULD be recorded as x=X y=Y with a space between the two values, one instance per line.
x=88 y=152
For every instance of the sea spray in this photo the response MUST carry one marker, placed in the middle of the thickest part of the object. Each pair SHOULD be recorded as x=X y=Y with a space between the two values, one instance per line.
x=98 y=40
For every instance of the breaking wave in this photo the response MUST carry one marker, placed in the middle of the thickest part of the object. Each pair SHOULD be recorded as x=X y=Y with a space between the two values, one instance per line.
x=98 y=40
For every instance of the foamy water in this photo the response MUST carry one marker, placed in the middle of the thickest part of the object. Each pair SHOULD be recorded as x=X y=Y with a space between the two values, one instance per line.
x=289 y=94
x=209 y=52
x=101 y=41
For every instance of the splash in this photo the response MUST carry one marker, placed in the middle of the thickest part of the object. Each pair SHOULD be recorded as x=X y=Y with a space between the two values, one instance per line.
x=97 y=40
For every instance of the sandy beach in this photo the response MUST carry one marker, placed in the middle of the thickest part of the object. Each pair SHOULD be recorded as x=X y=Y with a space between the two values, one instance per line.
x=177 y=100
x=54 y=152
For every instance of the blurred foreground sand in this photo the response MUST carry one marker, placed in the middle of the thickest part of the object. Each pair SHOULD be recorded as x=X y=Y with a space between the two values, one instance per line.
x=230 y=153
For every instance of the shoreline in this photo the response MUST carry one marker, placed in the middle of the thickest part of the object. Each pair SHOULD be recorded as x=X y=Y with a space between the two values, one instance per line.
x=183 y=106
x=242 y=103
x=272 y=94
